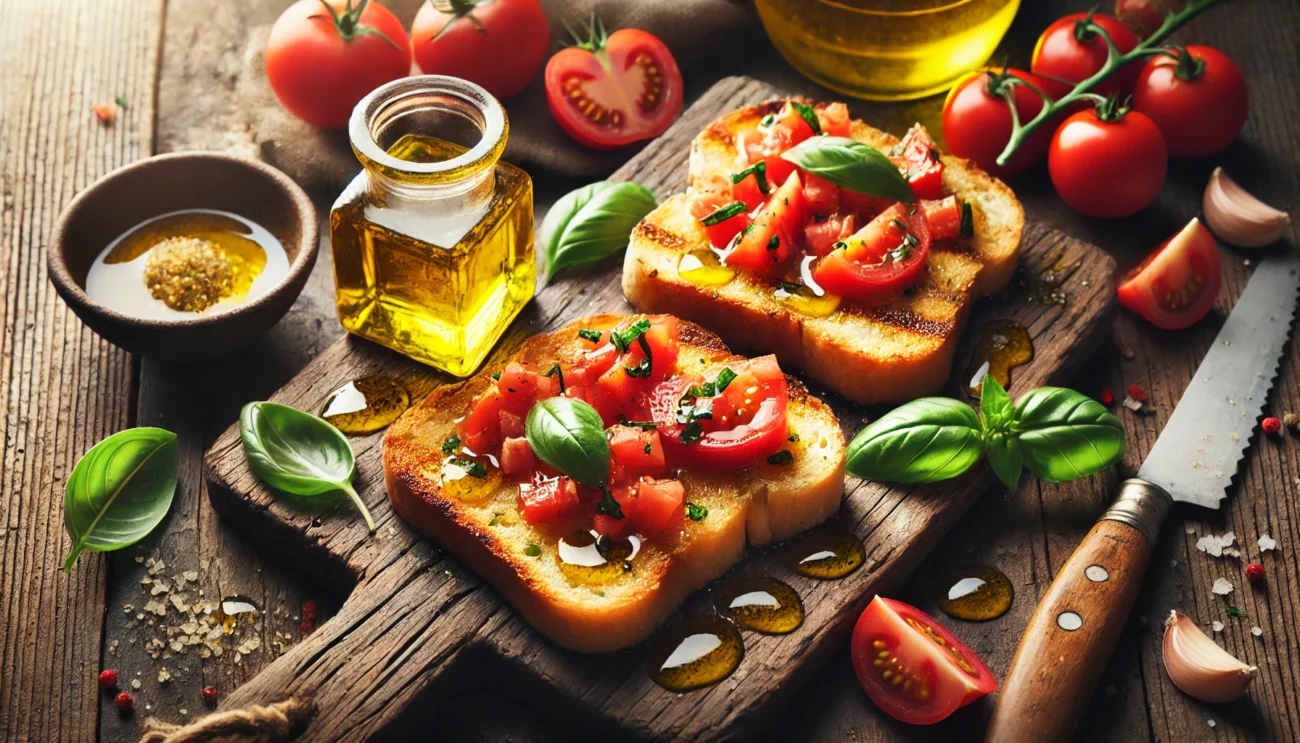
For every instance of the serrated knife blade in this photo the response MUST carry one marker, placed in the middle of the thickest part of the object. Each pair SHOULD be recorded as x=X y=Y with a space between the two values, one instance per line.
x=1076 y=625
x=1197 y=453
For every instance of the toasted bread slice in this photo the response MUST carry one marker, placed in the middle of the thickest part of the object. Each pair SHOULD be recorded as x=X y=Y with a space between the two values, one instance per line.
x=607 y=608
x=890 y=352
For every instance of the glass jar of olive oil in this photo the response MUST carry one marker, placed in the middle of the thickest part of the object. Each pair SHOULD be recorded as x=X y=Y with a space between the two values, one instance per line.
x=433 y=240
x=886 y=49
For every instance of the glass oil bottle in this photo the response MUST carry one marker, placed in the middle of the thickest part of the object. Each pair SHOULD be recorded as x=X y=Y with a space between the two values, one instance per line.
x=433 y=240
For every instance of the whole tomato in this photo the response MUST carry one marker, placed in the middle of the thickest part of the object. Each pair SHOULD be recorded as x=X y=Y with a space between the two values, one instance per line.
x=499 y=44
x=977 y=120
x=1145 y=16
x=1107 y=162
x=1069 y=51
x=321 y=63
x=1197 y=99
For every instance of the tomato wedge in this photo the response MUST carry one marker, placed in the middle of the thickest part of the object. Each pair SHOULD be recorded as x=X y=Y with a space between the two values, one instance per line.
x=880 y=259
x=777 y=231
x=1176 y=284
x=912 y=667
x=746 y=422
x=919 y=159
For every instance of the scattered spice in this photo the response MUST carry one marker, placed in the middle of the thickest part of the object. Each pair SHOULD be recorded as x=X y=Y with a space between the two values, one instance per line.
x=124 y=701
x=1107 y=397
x=107 y=679
x=1291 y=420
x=1271 y=425
x=105 y=112
x=1136 y=392
x=1255 y=572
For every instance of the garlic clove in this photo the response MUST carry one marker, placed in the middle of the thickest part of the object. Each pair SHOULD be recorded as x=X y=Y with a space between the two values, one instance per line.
x=1200 y=667
x=1237 y=217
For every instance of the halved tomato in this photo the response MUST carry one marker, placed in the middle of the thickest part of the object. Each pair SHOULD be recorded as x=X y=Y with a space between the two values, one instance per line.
x=919 y=159
x=745 y=423
x=1176 y=284
x=880 y=259
x=776 y=232
x=912 y=667
x=820 y=237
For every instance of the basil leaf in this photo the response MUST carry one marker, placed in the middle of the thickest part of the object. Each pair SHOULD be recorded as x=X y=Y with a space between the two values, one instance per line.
x=1066 y=435
x=759 y=171
x=592 y=223
x=930 y=439
x=995 y=405
x=723 y=213
x=298 y=453
x=696 y=512
x=608 y=506
x=569 y=435
x=120 y=490
x=853 y=165
x=725 y=378
x=967 y=229
x=1006 y=458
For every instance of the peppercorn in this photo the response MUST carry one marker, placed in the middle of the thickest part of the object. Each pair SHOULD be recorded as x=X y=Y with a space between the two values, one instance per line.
x=1271 y=425
x=1136 y=392
x=210 y=694
x=124 y=701
x=1107 y=397
x=1254 y=572
x=107 y=679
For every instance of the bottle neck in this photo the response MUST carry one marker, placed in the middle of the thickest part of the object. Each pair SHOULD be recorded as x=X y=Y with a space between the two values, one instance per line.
x=470 y=195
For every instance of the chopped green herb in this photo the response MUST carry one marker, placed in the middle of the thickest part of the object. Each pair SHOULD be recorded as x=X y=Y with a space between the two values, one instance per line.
x=556 y=372
x=748 y=229
x=708 y=389
x=451 y=445
x=807 y=113
x=696 y=513
x=532 y=550
x=782 y=457
x=496 y=376
x=759 y=171
x=588 y=334
x=639 y=424
x=774 y=243
x=900 y=224
x=623 y=339
x=469 y=466
x=1234 y=611
x=725 y=377
x=723 y=213
x=648 y=448
x=692 y=432
x=789 y=287
x=839 y=245
x=792 y=438
x=120 y=101
x=608 y=506
x=967 y=220
x=767 y=121
x=899 y=254
x=640 y=371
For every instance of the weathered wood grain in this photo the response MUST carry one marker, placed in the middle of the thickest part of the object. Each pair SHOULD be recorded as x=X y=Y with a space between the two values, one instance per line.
x=62 y=387
x=362 y=684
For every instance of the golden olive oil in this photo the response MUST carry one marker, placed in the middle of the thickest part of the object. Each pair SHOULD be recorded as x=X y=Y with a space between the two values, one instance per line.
x=976 y=594
x=691 y=653
x=761 y=604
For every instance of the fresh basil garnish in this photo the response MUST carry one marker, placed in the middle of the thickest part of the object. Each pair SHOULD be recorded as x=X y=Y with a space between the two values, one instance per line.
x=1066 y=435
x=782 y=457
x=1001 y=447
x=767 y=121
x=643 y=425
x=592 y=223
x=967 y=220
x=556 y=372
x=930 y=439
x=469 y=467
x=608 y=506
x=532 y=550
x=623 y=339
x=588 y=334
x=692 y=432
x=640 y=371
x=725 y=378
x=696 y=513
x=451 y=445
x=120 y=490
x=723 y=213
x=759 y=171
x=569 y=435
x=853 y=165
x=298 y=453
x=808 y=114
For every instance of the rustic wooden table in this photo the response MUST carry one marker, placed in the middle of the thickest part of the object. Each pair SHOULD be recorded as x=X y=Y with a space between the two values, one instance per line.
x=178 y=65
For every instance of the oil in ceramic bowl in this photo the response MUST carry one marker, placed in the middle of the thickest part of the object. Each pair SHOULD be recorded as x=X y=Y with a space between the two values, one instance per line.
x=183 y=264
x=366 y=405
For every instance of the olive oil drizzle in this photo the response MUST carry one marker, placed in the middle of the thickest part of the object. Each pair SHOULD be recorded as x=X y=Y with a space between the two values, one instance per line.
x=827 y=554
x=694 y=652
x=587 y=558
x=366 y=405
x=977 y=594
x=761 y=604
x=1003 y=345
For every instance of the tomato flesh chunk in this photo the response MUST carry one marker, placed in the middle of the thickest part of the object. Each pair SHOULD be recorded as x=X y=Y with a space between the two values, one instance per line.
x=943 y=217
x=777 y=231
x=919 y=160
x=1175 y=286
x=548 y=500
x=747 y=423
x=820 y=237
x=881 y=259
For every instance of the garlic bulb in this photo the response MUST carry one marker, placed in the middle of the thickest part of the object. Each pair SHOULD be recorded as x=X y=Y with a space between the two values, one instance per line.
x=1239 y=218
x=1200 y=667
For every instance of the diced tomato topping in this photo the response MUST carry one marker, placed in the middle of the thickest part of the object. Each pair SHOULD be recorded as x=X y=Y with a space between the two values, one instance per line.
x=834 y=119
x=749 y=191
x=660 y=505
x=480 y=430
x=548 y=500
x=919 y=160
x=776 y=232
x=766 y=143
x=591 y=364
x=820 y=237
x=521 y=388
x=610 y=526
x=880 y=259
x=863 y=206
x=706 y=201
x=823 y=197
x=517 y=458
x=944 y=217
x=595 y=395
x=634 y=453
x=511 y=425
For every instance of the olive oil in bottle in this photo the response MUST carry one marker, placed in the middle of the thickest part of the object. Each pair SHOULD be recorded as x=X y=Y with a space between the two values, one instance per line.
x=433 y=240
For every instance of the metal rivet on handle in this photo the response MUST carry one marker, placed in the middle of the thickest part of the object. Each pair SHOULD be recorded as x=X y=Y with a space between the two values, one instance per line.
x=1069 y=621
x=1096 y=573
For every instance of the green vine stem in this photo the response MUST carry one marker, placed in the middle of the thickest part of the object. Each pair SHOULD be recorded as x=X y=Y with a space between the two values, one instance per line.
x=1114 y=61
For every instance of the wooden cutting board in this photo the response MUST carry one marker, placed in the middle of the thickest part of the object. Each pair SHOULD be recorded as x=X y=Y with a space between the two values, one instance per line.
x=414 y=612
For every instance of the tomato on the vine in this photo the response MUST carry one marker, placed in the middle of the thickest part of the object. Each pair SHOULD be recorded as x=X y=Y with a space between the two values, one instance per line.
x=977 y=120
x=1069 y=52
x=1197 y=99
x=1176 y=284
x=499 y=44
x=611 y=90
x=321 y=64
x=1108 y=161
x=894 y=640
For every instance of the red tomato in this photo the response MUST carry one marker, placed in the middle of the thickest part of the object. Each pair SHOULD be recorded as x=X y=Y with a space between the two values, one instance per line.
x=520 y=388
x=820 y=237
x=1175 y=286
x=548 y=500
x=511 y=425
x=977 y=120
x=920 y=160
x=320 y=69
x=1198 y=101
x=634 y=453
x=776 y=231
x=834 y=120
x=480 y=430
x=879 y=260
x=660 y=505
x=775 y=134
x=823 y=196
x=943 y=217
x=610 y=91
x=1145 y=16
x=499 y=44
x=940 y=674
x=517 y=458
x=728 y=441
x=1107 y=168
x=595 y=395
x=1069 y=52
x=721 y=233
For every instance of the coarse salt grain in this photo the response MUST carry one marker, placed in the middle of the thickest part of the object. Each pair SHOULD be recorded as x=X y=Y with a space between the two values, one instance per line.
x=1257 y=631
x=1267 y=543
x=1217 y=626
x=1213 y=546
x=1221 y=587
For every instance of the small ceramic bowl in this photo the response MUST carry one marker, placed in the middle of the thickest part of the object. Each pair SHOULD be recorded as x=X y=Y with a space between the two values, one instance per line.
x=168 y=183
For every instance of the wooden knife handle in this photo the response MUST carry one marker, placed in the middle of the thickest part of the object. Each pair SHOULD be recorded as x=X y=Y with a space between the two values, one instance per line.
x=1073 y=631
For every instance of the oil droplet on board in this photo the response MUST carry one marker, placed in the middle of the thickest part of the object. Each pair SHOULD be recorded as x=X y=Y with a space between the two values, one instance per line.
x=977 y=594
x=704 y=268
x=694 y=652
x=1003 y=345
x=827 y=554
x=761 y=604
x=587 y=558
x=366 y=405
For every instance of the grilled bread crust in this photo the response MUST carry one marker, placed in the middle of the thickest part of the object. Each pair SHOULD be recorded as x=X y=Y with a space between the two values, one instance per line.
x=892 y=352
x=758 y=505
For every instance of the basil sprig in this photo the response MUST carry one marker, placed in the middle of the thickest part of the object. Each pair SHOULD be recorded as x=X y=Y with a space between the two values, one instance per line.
x=569 y=435
x=1058 y=434
x=592 y=223
x=298 y=453
x=851 y=164
x=120 y=490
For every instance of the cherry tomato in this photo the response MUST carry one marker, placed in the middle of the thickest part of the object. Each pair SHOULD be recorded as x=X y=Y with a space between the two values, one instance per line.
x=1145 y=16
x=1069 y=52
x=1175 y=286
x=880 y=259
x=1197 y=100
x=499 y=44
x=939 y=673
x=777 y=230
x=320 y=66
x=613 y=90
x=1107 y=168
x=977 y=121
